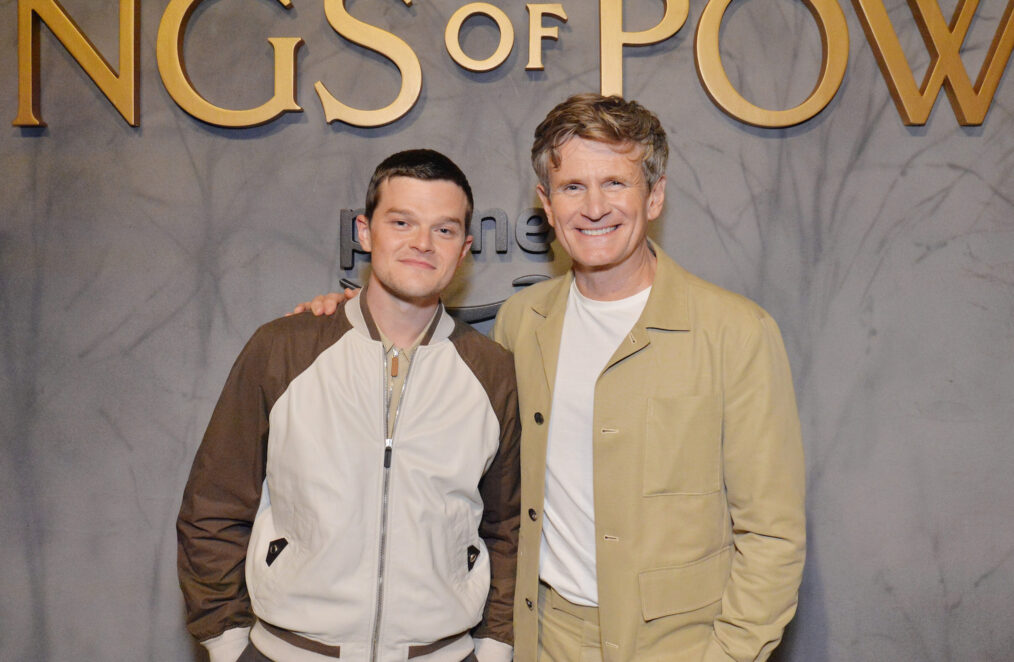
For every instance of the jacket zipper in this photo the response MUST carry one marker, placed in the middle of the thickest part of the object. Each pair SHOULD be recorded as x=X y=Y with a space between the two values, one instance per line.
x=388 y=452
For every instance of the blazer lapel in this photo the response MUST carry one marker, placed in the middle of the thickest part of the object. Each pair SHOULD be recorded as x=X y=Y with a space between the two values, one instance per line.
x=547 y=334
x=666 y=309
x=633 y=342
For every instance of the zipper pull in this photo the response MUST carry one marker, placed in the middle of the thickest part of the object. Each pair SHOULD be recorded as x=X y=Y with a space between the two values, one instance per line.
x=394 y=363
x=387 y=453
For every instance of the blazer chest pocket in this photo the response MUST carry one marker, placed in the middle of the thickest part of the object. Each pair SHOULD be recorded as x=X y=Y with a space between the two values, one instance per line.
x=683 y=445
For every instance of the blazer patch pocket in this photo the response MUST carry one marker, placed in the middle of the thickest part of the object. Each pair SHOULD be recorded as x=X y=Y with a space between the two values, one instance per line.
x=683 y=450
x=682 y=589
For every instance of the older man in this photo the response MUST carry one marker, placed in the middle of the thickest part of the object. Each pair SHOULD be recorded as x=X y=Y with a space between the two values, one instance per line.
x=662 y=466
x=662 y=470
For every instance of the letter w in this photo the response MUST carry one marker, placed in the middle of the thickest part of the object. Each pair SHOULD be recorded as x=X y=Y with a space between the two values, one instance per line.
x=970 y=102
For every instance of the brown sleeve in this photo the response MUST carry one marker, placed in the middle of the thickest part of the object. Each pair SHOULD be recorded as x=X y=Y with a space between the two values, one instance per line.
x=224 y=489
x=500 y=487
x=221 y=500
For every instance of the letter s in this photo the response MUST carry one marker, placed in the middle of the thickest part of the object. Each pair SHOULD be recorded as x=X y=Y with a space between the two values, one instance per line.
x=389 y=46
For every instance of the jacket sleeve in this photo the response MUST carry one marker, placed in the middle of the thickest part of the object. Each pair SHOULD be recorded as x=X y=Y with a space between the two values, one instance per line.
x=221 y=500
x=501 y=496
x=764 y=481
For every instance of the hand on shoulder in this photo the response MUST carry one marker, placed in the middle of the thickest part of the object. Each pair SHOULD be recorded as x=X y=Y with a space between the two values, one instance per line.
x=324 y=304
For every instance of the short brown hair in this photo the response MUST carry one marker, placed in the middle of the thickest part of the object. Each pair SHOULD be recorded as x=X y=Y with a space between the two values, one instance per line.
x=424 y=164
x=611 y=120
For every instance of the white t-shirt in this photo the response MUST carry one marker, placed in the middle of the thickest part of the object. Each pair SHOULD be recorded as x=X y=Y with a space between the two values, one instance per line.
x=592 y=330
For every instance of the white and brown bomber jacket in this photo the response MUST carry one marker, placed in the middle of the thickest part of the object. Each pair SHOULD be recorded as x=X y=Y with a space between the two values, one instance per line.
x=302 y=521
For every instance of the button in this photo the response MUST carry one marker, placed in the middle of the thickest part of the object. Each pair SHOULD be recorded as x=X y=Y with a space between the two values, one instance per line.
x=528 y=603
x=538 y=417
x=532 y=514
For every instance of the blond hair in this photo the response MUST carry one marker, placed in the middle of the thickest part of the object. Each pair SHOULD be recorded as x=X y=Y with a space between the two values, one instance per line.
x=612 y=120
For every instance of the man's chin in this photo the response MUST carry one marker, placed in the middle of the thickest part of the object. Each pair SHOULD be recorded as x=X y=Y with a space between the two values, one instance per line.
x=414 y=296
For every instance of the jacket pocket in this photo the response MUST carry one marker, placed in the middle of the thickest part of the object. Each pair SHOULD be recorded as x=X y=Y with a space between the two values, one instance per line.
x=270 y=552
x=684 y=588
x=683 y=449
x=472 y=555
x=275 y=548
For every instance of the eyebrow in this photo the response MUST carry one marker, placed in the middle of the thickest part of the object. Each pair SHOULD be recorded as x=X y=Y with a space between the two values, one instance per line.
x=567 y=182
x=410 y=214
x=608 y=177
x=398 y=210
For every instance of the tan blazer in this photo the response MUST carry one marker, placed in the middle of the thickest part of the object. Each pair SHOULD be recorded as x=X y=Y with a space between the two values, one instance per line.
x=698 y=470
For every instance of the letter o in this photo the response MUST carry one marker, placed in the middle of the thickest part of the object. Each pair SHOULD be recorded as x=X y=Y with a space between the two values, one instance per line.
x=453 y=33
x=834 y=38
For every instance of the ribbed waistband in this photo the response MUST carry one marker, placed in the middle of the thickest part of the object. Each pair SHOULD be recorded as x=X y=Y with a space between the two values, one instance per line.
x=309 y=650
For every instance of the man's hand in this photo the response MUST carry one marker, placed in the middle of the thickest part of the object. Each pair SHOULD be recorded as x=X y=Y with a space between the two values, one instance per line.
x=324 y=304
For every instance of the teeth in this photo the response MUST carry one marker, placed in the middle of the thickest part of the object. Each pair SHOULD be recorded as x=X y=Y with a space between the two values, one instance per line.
x=595 y=233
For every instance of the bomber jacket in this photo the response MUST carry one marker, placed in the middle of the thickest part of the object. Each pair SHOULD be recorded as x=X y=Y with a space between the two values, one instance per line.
x=300 y=520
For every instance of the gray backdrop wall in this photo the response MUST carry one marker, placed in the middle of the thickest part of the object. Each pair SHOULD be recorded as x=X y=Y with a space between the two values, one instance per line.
x=135 y=262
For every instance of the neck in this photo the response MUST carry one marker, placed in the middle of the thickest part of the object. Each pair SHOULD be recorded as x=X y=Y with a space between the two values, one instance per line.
x=617 y=281
x=400 y=320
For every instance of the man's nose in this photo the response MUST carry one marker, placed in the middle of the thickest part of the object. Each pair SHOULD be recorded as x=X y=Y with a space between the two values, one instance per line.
x=595 y=204
x=422 y=240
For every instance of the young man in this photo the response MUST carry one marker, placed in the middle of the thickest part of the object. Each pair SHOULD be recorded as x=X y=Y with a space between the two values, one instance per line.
x=662 y=465
x=356 y=493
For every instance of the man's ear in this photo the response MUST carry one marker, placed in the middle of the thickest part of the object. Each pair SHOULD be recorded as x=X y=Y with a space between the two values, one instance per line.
x=363 y=230
x=546 y=204
x=656 y=199
x=464 y=249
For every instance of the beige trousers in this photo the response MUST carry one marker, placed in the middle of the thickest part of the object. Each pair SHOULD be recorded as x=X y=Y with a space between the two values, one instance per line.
x=567 y=632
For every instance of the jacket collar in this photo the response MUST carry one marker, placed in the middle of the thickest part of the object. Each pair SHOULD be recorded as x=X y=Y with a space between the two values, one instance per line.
x=552 y=308
x=358 y=313
x=667 y=307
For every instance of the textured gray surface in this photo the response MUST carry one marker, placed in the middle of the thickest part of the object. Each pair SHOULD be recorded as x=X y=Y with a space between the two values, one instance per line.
x=134 y=263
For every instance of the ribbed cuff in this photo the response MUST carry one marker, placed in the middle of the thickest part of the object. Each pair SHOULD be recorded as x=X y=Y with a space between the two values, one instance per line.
x=228 y=646
x=491 y=650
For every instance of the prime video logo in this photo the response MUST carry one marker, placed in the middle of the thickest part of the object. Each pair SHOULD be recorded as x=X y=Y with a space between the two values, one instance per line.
x=530 y=231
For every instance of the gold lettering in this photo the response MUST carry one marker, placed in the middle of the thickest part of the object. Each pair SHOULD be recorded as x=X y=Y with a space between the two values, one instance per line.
x=453 y=32
x=613 y=38
x=537 y=32
x=169 y=53
x=834 y=38
x=389 y=46
x=121 y=90
x=969 y=102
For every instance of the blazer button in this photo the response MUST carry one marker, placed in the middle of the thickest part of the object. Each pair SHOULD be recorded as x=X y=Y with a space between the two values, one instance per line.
x=538 y=417
x=532 y=514
x=528 y=603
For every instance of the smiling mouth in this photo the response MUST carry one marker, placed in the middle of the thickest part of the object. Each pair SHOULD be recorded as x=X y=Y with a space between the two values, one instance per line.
x=597 y=232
